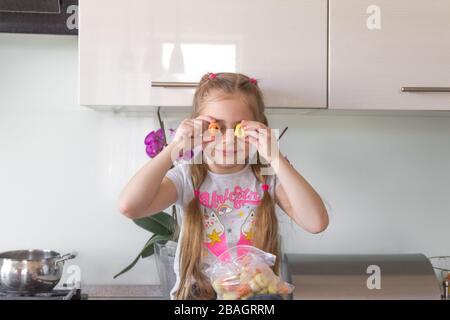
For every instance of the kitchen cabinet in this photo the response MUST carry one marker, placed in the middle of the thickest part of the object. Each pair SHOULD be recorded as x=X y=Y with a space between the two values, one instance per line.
x=126 y=46
x=376 y=48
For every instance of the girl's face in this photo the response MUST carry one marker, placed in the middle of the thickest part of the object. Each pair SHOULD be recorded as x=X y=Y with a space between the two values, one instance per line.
x=227 y=150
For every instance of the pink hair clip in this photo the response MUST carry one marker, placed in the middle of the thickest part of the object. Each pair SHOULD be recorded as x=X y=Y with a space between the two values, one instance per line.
x=253 y=80
x=209 y=76
x=196 y=193
x=265 y=187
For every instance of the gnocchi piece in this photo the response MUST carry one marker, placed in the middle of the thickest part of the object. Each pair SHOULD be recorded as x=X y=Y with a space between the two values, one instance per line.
x=213 y=128
x=239 y=131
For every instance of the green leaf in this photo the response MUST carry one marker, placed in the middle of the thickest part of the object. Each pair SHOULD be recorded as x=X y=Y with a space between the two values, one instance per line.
x=165 y=219
x=132 y=264
x=159 y=223
x=149 y=247
x=147 y=251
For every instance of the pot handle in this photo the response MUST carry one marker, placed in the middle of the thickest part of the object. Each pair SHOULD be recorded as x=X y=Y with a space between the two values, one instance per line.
x=66 y=256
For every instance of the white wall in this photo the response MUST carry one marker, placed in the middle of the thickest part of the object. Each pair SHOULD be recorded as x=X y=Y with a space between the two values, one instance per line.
x=387 y=178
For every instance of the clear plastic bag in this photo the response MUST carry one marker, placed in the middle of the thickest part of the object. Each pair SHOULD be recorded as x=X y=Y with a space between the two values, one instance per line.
x=244 y=271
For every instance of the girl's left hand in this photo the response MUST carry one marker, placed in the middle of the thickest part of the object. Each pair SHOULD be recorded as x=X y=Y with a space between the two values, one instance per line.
x=262 y=137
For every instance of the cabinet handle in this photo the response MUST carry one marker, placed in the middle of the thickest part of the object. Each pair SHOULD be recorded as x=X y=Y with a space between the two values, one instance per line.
x=425 y=89
x=162 y=84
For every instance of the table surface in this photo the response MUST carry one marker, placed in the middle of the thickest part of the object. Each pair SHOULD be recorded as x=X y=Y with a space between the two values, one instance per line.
x=123 y=292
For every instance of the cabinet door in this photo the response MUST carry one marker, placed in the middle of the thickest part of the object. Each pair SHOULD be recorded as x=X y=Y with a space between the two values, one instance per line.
x=125 y=46
x=378 y=47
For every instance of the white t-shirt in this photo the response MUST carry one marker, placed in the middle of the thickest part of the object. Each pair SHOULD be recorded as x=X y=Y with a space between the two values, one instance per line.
x=229 y=204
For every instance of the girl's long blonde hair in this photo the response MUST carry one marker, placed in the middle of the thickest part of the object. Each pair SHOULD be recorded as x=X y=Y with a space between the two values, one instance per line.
x=194 y=284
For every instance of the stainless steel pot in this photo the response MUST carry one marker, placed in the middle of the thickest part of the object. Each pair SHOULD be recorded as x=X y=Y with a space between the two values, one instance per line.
x=31 y=271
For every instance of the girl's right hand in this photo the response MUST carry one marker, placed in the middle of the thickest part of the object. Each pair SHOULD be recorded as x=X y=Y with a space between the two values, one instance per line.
x=193 y=132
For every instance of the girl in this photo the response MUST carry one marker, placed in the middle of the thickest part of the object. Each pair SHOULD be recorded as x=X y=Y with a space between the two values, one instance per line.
x=222 y=201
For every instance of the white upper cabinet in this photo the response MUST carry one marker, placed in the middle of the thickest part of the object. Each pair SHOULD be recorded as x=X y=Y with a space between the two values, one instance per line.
x=378 y=47
x=125 y=46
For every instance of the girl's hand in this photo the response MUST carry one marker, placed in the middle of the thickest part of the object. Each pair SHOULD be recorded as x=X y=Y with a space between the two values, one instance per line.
x=192 y=132
x=262 y=137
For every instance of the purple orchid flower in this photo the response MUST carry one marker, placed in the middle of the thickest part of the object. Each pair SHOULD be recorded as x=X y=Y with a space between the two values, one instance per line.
x=187 y=155
x=172 y=132
x=154 y=142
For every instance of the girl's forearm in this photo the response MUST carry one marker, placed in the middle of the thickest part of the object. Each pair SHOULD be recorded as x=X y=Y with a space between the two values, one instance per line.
x=306 y=204
x=138 y=194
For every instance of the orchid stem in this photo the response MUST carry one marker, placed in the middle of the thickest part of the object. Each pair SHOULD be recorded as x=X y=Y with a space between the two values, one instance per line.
x=161 y=125
x=282 y=132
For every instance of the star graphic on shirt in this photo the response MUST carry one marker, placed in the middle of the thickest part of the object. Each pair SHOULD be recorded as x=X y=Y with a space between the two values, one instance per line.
x=214 y=237
x=248 y=235
x=241 y=214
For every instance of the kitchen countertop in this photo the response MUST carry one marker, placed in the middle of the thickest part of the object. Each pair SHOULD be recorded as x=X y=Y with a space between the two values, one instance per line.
x=123 y=292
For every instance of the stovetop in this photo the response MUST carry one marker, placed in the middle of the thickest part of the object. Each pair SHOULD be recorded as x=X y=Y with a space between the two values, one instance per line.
x=64 y=293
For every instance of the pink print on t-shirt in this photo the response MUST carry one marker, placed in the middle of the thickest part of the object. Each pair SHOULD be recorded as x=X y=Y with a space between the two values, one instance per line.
x=238 y=197
x=215 y=236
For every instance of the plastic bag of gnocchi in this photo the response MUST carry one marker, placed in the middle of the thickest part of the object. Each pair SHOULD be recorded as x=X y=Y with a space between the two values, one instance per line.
x=244 y=272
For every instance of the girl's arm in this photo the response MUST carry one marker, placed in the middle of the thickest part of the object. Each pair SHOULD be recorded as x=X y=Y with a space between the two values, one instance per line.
x=294 y=194
x=149 y=191
x=298 y=199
